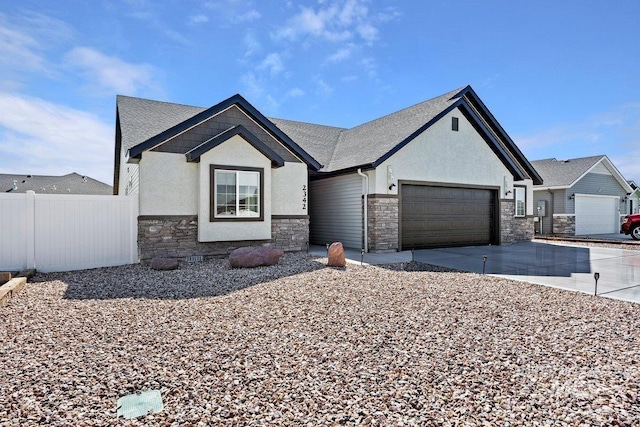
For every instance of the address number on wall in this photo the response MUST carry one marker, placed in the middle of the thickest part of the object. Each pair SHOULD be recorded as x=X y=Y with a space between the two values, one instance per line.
x=304 y=197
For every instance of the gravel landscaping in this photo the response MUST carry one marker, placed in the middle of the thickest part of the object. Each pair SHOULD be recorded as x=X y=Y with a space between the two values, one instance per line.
x=302 y=344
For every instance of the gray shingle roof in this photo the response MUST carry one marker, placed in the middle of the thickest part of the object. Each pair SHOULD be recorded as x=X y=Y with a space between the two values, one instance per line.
x=563 y=173
x=317 y=140
x=338 y=148
x=72 y=183
x=141 y=119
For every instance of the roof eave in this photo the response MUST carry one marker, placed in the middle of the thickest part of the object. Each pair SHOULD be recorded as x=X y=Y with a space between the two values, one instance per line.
x=137 y=150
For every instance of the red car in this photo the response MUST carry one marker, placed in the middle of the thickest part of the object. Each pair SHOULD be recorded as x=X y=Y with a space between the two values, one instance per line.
x=631 y=226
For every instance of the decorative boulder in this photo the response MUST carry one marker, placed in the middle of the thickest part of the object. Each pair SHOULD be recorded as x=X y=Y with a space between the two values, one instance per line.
x=336 y=255
x=250 y=257
x=159 y=263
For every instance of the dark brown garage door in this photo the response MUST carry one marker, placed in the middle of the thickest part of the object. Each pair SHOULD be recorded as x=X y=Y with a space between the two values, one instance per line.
x=446 y=216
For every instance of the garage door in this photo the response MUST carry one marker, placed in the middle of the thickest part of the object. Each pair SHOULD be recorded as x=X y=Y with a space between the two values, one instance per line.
x=596 y=214
x=446 y=216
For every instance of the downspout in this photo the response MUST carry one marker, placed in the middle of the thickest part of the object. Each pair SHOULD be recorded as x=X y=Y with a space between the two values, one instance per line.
x=551 y=211
x=365 y=193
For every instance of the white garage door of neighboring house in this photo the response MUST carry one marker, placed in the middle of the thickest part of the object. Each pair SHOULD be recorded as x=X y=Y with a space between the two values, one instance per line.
x=597 y=214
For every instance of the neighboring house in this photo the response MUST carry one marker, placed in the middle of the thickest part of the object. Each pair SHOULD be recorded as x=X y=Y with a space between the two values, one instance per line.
x=440 y=173
x=66 y=184
x=581 y=196
x=634 y=198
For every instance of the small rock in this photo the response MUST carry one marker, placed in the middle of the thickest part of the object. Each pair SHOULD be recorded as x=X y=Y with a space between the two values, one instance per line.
x=255 y=256
x=336 y=255
x=164 y=263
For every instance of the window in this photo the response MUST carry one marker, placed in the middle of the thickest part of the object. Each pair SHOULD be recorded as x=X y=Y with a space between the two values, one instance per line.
x=520 y=196
x=236 y=194
x=454 y=123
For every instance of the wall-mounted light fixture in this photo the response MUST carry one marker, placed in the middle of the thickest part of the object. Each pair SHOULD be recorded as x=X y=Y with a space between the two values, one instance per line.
x=507 y=191
x=573 y=196
x=390 y=182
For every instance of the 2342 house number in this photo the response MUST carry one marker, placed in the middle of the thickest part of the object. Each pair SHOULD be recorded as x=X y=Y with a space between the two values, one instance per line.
x=304 y=197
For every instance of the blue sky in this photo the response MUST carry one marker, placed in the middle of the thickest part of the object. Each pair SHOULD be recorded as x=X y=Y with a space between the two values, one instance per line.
x=560 y=76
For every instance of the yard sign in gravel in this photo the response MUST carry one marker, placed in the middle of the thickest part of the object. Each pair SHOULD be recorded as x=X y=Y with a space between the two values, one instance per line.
x=302 y=344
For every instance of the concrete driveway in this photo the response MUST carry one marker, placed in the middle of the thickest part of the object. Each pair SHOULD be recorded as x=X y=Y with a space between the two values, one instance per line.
x=558 y=265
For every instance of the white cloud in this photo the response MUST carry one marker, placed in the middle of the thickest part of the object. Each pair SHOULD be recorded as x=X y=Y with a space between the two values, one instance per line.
x=112 y=74
x=296 y=92
x=368 y=32
x=340 y=55
x=252 y=44
x=20 y=49
x=234 y=11
x=249 y=16
x=335 y=21
x=45 y=138
x=24 y=40
x=198 y=19
x=272 y=64
x=322 y=87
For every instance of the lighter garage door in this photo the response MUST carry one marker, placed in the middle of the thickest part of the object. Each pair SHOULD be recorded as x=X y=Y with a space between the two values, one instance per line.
x=596 y=214
x=435 y=216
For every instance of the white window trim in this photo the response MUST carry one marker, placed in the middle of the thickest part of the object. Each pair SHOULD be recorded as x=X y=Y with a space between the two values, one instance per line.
x=516 y=189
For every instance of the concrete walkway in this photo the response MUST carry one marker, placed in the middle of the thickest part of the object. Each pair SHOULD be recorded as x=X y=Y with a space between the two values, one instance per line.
x=545 y=263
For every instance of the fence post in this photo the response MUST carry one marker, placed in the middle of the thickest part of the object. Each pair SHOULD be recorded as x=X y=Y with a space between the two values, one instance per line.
x=31 y=229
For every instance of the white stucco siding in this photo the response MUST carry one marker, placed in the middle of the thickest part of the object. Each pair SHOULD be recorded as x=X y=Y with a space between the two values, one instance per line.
x=445 y=156
x=239 y=153
x=169 y=183
x=290 y=190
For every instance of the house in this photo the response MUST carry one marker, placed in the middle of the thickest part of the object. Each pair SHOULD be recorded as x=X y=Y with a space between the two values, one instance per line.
x=439 y=173
x=72 y=183
x=582 y=196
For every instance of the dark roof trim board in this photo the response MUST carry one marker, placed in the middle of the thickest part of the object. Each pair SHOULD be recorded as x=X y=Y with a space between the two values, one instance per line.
x=247 y=108
x=194 y=154
x=479 y=125
x=495 y=145
x=511 y=146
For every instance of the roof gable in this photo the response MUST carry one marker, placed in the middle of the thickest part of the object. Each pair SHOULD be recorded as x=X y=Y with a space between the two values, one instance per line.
x=559 y=174
x=194 y=154
x=370 y=144
x=202 y=115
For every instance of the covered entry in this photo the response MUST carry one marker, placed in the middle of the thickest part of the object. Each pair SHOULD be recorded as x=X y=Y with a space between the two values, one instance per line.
x=440 y=216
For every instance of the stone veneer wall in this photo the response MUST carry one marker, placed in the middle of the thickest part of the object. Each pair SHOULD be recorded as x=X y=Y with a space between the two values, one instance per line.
x=507 y=212
x=512 y=228
x=177 y=237
x=564 y=225
x=384 y=222
x=290 y=233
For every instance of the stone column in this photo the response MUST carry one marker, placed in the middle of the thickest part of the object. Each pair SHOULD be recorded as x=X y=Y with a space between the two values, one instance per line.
x=384 y=222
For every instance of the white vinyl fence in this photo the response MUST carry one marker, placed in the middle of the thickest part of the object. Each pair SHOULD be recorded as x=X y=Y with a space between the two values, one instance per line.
x=55 y=232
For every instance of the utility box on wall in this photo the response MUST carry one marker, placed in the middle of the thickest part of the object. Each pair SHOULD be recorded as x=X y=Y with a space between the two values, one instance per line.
x=542 y=208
